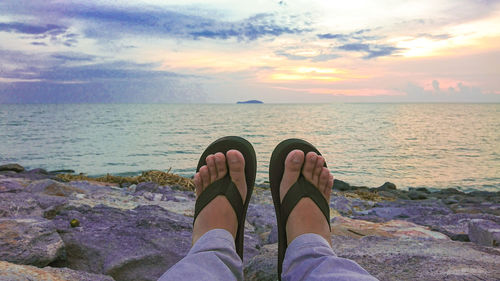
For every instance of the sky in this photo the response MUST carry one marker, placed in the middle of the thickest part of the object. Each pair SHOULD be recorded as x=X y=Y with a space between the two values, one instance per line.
x=220 y=51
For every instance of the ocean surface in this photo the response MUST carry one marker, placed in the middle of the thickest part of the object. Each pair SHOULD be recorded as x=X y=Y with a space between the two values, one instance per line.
x=411 y=145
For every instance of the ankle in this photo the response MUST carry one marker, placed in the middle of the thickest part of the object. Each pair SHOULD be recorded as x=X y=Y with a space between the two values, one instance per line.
x=307 y=218
x=217 y=215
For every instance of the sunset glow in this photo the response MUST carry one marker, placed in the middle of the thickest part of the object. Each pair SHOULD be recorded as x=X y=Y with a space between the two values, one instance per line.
x=390 y=50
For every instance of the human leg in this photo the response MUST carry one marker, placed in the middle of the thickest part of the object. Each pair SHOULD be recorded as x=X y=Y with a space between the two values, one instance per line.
x=305 y=233
x=224 y=182
x=212 y=257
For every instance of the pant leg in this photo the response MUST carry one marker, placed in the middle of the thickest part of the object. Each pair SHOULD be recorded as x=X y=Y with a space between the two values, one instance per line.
x=310 y=257
x=212 y=257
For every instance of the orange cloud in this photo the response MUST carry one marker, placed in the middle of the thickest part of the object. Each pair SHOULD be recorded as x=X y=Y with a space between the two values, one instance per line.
x=345 y=92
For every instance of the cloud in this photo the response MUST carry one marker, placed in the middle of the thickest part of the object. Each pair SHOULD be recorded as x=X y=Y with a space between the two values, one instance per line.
x=435 y=85
x=77 y=77
x=338 y=36
x=249 y=29
x=73 y=57
x=360 y=41
x=55 y=33
x=376 y=51
x=316 y=58
x=118 y=81
x=24 y=28
x=108 y=22
x=38 y=44
x=58 y=70
x=459 y=93
x=353 y=36
x=357 y=47
x=104 y=71
x=136 y=91
x=443 y=36
x=371 y=50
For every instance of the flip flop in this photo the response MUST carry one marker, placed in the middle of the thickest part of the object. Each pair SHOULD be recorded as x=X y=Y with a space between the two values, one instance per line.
x=225 y=185
x=301 y=188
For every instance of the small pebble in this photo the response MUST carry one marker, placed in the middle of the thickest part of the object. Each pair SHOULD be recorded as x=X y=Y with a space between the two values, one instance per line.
x=74 y=223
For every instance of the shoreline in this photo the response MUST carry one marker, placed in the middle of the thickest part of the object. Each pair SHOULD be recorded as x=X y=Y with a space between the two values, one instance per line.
x=77 y=222
x=161 y=177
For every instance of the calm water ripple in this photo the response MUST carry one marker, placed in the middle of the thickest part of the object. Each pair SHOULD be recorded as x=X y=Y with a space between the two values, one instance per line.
x=412 y=145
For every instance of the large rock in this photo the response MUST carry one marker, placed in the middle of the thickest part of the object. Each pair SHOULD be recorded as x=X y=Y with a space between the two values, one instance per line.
x=417 y=195
x=29 y=241
x=12 y=167
x=341 y=185
x=400 y=259
x=10 y=185
x=22 y=204
x=147 y=186
x=387 y=186
x=404 y=209
x=252 y=243
x=484 y=232
x=477 y=208
x=450 y=191
x=415 y=259
x=54 y=188
x=10 y=272
x=273 y=235
x=456 y=226
x=263 y=267
x=138 y=244
x=348 y=205
x=262 y=217
x=394 y=228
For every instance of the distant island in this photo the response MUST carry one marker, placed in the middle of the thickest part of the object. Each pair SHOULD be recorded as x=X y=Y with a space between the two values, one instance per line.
x=250 y=101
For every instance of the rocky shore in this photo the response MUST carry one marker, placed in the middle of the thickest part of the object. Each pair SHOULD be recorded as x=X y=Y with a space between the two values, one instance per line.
x=55 y=227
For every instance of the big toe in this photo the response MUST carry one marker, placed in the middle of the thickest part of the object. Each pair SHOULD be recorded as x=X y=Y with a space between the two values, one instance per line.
x=293 y=166
x=236 y=164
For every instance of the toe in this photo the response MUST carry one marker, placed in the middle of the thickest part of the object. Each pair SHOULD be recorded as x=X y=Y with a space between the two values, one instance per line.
x=329 y=186
x=236 y=164
x=205 y=177
x=309 y=165
x=293 y=165
x=212 y=170
x=220 y=164
x=317 y=170
x=198 y=184
x=323 y=179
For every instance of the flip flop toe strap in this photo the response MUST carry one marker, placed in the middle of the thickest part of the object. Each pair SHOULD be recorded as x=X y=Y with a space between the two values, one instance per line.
x=300 y=189
x=226 y=187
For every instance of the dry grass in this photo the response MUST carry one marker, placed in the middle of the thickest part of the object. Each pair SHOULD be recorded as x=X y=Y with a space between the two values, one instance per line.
x=367 y=195
x=159 y=177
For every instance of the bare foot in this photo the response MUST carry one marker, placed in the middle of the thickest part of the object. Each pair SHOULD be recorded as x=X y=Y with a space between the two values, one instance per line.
x=219 y=213
x=306 y=217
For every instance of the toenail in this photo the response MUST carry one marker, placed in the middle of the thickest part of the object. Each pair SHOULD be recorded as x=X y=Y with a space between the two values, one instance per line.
x=296 y=159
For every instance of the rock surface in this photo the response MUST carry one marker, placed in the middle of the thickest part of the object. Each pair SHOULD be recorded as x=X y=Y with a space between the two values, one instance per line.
x=138 y=244
x=12 y=167
x=263 y=267
x=54 y=188
x=137 y=232
x=29 y=241
x=22 y=204
x=399 y=259
x=395 y=228
x=484 y=232
x=456 y=226
x=11 y=272
x=10 y=185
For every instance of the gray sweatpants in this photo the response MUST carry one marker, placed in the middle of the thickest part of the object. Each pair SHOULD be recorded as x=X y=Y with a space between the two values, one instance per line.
x=308 y=257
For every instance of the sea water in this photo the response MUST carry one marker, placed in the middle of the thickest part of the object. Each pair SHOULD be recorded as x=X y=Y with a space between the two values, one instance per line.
x=411 y=145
